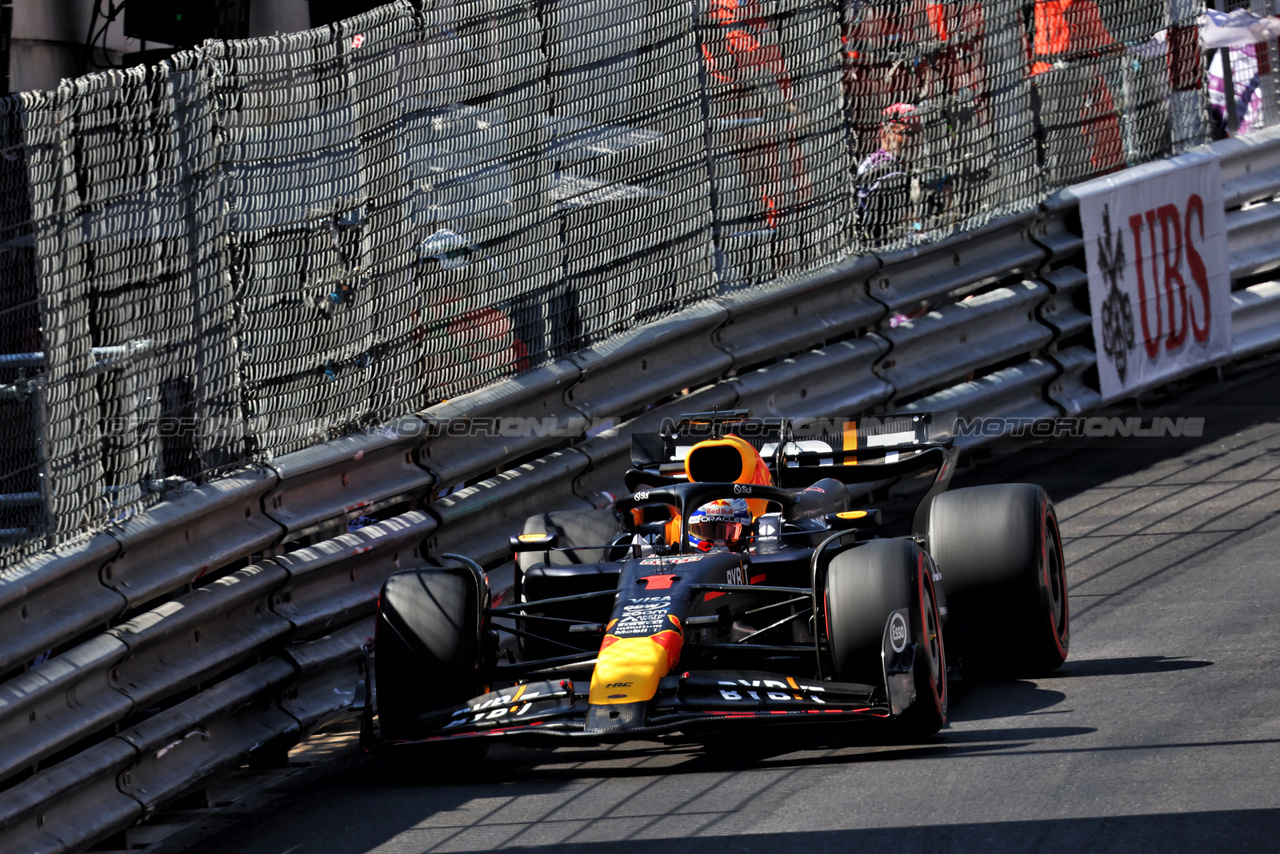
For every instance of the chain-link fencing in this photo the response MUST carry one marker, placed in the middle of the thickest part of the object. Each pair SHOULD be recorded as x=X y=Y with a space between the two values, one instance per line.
x=262 y=244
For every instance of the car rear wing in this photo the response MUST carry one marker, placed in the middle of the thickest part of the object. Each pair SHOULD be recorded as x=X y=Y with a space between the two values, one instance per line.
x=809 y=443
x=799 y=451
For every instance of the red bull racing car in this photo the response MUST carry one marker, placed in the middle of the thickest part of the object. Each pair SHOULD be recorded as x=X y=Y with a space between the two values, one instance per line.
x=761 y=570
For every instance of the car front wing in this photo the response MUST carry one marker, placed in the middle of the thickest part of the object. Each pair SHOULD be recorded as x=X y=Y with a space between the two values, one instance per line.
x=685 y=703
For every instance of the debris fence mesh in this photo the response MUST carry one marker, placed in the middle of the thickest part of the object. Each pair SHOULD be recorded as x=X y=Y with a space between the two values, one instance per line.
x=262 y=244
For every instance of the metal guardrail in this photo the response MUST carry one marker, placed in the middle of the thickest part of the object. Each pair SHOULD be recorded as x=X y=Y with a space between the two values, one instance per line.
x=150 y=658
x=72 y=805
x=1013 y=392
x=478 y=521
x=964 y=263
x=945 y=345
x=190 y=536
x=834 y=378
x=790 y=317
x=55 y=597
x=1255 y=319
x=1252 y=233
x=115 y=783
x=336 y=582
x=457 y=457
x=1250 y=167
x=352 y=475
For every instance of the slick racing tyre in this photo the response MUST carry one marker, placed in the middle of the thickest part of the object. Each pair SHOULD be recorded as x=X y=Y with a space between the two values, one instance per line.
x=1000 y=554
x=428 y=648
x=864 y=586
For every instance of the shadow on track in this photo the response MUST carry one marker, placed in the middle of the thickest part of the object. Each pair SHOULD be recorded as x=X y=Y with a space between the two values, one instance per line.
x=1236 y=830
x=1133 y=666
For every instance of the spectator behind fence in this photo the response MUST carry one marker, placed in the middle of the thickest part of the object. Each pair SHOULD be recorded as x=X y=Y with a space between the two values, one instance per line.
x=884 y=185
x=1065 y=30
x=882 y=62
x=932 y=55
x=760 y=115
x=1240 y=34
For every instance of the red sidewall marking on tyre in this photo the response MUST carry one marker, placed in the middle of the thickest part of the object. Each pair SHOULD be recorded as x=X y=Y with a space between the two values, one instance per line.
x=1054 y=626
x=826 y=619
x=939 y=696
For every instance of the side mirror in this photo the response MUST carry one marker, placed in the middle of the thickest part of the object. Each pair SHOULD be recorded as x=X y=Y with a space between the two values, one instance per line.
x=533 y=542
x=851 y=519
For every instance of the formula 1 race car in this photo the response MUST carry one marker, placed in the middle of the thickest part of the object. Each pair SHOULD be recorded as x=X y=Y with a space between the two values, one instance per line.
x=736 y=583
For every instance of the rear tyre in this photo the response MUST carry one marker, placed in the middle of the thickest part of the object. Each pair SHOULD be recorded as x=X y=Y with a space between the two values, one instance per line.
x=864 y=586
x=428 y=646
x=1000 y=554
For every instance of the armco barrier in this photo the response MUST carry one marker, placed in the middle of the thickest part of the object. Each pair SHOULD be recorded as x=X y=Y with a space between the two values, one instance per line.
x=190 y=536
x=352 y=475
x=195 y=637
x=215 y=730
x=784 y=318
x=835 y=378
x=1250 y=167
x=1062 y=312
x=328 y=670
x=1058 y=231
x=70 y=806
x=539 y=395
x=54 y=598
x=1071 y=391
x=1255 y=319
x=151 y=657
x=1013 y=392
x=635 y=369
x=111 y=785
x=1252 y=234
x=945 y=345
x=479 y=519
x=337 y=581
x=969 y=262
x=64 y=700
x=275 y=648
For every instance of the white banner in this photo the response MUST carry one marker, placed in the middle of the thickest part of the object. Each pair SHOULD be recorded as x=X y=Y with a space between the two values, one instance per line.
x=1159 y=277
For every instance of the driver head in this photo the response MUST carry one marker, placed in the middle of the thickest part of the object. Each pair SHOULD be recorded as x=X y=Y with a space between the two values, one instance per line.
x=723 y=523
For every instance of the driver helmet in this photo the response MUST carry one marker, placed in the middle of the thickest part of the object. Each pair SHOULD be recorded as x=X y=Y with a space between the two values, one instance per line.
x=724 y=522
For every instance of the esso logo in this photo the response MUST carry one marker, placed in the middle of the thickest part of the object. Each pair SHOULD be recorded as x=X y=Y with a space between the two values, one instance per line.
x=898 y=632
x=741 y=489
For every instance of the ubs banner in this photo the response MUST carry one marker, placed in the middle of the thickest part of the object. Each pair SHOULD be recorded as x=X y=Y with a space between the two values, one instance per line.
x=1159 y=277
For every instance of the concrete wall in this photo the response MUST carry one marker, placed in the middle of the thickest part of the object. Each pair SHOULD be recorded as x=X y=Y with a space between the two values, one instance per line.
x=49 y=37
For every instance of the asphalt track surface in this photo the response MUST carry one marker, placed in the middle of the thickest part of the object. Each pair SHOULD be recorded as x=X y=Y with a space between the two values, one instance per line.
x=1159 y=734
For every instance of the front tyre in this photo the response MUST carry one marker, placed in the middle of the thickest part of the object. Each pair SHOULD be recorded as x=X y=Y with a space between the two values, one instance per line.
x=864 y=586
x=428 y=646
x=999 y=551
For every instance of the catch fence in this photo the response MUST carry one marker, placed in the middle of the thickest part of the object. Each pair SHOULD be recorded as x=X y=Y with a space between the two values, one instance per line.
x=264 y=244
